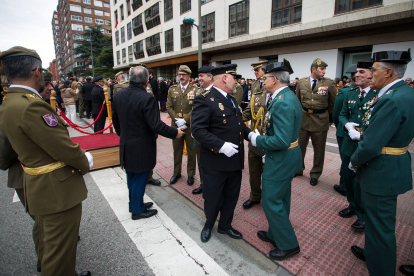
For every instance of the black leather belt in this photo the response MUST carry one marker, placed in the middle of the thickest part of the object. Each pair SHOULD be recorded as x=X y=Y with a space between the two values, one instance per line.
x=313 y=111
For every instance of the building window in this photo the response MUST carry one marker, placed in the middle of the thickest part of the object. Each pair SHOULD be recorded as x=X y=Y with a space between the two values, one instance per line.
x=98 y=13
x=55 y=16
x=57 y=27
x=207 y=27
x=130 y=54
x=185 y=5
x=286 y=12
x=107 y=14
x=97 y=3
x=139 y=49
x=128 y=6
x=108 y=31
x=342 y=6
x=137 y=25
x=153 y=45
x=75 y=8
x=56 y=22
x=239 y=18
x=168 y=10
x=117 y=37
x=80 y=63
x=57 y=33
x=106 y=5
x=87 y=2
x=169 y=41
x=77 y=27
x=99 y=21
x=87 y=10
x=136 y=4
x=152 y=16
x=116 y=16
x=88 y=19
x=185 y=36
x=77 y=36
x=124 y=55
x=108 y=22
x=122 y=34
x=121 y=8
x=118 y=58
x=205 y=1
x=129 y=31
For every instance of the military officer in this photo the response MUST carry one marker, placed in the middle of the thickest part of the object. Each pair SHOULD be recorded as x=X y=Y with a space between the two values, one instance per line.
x=179 y=106
x=356 y=102
x=98 y=97
x=382 y=161
x=122 y=83
x=339 y=128
x=53 y=165
x=317 y=96
x=256 y=111
x=239 y=94
x=218 y=125
x=283 y=159
x=206 y=82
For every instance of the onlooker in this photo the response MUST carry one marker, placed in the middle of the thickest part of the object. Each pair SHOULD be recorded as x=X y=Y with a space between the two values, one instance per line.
x=292 y=86
x=340 y=84
x=245 y=94
x=154 y=84
x=408 y=81
x=163 y=95
x=412 y=85
x=87 y=91
x=98 y=98
x=81 y=97
x=69 y=100
x=59 y=100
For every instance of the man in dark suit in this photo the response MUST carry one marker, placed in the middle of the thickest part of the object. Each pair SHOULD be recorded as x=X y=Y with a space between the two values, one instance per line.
x=217 y=124
x=163 y=95
x=137 y=120
x=87 y=91
x=154 y=85
x=98 y=97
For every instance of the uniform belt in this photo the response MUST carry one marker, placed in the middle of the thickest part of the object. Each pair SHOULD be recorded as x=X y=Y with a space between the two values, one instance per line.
x=294 y=144
x=394 y=151
x=181 y=115
x=313 y=111
x=43 y=169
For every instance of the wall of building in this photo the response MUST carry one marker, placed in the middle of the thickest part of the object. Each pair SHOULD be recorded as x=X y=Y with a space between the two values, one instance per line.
x=401 y=46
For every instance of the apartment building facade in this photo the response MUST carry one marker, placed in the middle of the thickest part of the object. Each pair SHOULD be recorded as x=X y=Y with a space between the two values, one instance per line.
x=70 y=20
x=340 y=32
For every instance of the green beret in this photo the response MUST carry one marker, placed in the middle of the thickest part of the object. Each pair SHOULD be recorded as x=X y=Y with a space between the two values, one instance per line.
x=259 y=64
x=47 y=76
x=119 y=73
x=320 y=63
x=184 y=68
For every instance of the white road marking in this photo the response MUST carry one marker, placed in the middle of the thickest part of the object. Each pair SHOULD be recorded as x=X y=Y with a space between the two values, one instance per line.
x=16 y=197
x=166 y=248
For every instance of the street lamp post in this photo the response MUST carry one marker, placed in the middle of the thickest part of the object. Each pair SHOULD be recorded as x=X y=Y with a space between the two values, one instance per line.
x=90 y=40
x=190 y=22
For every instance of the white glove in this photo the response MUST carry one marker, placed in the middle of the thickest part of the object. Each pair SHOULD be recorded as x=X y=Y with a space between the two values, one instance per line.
x=351 y=126
x=252 y=137
x=229 y=149
x=352 y=167
x=263 y=158
x=180 y=122
x=355 y=135
x=90 y=159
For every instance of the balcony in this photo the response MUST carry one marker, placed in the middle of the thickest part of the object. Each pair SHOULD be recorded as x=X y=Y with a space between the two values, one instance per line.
x=155 y=50
x=139 y=54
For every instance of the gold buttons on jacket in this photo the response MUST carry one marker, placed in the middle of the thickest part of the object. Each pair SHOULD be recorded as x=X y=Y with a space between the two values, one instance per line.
x=359 y=116
x=73 y=171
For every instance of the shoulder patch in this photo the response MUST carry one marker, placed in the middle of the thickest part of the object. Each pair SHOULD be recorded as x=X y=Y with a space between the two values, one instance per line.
x=50 y=119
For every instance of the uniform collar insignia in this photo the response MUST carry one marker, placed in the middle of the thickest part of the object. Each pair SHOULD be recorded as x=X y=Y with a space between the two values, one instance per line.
x=50 y=119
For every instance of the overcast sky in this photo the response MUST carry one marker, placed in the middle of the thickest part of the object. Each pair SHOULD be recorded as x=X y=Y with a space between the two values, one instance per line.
x=28 y=23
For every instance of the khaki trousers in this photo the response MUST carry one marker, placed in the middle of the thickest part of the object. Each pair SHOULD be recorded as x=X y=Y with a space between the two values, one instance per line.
x=255 y=175
x=178 y=146
x=318 y=142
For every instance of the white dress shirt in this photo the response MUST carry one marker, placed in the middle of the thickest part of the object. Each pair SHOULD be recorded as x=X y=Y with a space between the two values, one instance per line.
x=387 y=87
x=26 y=87
x=224 y=93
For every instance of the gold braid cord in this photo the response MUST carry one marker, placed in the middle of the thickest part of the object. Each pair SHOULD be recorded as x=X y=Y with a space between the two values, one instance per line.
x=255 y=117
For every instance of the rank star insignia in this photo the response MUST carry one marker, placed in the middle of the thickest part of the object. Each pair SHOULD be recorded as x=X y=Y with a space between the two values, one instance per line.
x=50 y=119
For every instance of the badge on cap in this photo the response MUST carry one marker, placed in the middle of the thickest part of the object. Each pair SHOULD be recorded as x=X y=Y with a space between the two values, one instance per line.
x=50 y=119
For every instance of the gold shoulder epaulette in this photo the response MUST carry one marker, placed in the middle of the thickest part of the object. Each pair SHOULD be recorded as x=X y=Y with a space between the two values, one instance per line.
x=31 y=96
x=205 y=93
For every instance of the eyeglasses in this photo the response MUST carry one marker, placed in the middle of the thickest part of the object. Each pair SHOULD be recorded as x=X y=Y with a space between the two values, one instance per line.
x=44 y=71
x=373 y=69
x=182 y=75
x=266 y=77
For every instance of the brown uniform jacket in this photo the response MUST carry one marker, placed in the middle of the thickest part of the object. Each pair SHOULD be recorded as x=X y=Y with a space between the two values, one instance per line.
x=39 y=137
x=322 y=97
x=8 y=160
x=119 y=86
x=239 y=94
x=179 y=103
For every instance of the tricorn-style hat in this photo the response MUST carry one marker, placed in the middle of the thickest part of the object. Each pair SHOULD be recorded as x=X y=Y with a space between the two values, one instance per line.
x=392 y=56
x=226 y=69
x=364 y=64
x=259 y=64
x=205 y=69
x=352 y=69
x=279 y=66
x=97 y=78
x=320 y=63
x=184 y=68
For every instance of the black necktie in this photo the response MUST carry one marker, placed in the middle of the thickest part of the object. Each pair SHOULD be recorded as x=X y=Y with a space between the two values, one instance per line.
x=260 y=84
x=313 y=84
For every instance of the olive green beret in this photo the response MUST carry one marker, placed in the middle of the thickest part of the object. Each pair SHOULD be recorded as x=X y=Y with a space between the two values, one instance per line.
x=47 y=76
x=184 y=68
x=320 y=63
x=119 y=73
x=259 y=64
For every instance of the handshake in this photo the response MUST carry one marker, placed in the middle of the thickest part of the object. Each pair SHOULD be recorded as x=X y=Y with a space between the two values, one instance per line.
x=181 y=126
x=230 y=149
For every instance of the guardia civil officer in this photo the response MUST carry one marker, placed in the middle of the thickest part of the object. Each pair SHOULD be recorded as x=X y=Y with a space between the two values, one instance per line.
x=356 y=102
x=98 y=98
x=217 y=124
x=179 y=106
x=317 y=97
x=53 y=165
x=256 y=111
x=382 y=161
x=283 y=159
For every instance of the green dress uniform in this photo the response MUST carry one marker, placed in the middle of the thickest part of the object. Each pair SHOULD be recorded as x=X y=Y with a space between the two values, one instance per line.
x=384 y=171
x=354 y=107
x=316 y=105
x=283 y=160
x=119 y=86
x=81 y=98
x=258 y=101
x=180 y=105
x=53 y=180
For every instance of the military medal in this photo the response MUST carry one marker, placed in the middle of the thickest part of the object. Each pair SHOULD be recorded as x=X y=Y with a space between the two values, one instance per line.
x=221 y=106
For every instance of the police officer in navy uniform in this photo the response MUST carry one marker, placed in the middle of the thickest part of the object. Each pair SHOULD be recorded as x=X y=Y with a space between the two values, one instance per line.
x=217 y=123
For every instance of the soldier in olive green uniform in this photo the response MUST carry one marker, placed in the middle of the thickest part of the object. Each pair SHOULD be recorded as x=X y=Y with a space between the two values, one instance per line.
x=317 y=96
x=256 y=111
x=122 y=83
x=382 y=160
x=355 y=104
x=179 y=106
x=239 y=94
x=54 y=166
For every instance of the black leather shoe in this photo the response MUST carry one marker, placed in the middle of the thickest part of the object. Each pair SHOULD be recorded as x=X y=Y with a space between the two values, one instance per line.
x=313 y=181
x=147 y=205
x=339 y=190
x=154 y=182
x=85 y=273
x=174 y=179
x=358 y=226
x=279 y=255
x=145 y=214
x=197 y=191
x=263 y=236
x=407 y=270
x=358 y=252
x=190 y=180
x=232 y=233
x=346 y=213
x=205 y=234
x=249 y=204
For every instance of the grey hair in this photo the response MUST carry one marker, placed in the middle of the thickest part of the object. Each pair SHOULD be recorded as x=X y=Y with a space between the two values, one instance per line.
x=122 y=76
x=397 y=68
x=160 y=79
x=19 y=68
x=139 y=75
x=281 y=76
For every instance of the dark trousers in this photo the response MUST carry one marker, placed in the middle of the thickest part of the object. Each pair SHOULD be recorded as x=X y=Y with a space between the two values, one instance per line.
x=341 y=173
x=100 y=123
x=62 y=108
x=88 y=106
x=136 y=186
x=353 y=189
x=77 y=106
x=162 y=105
x=220 y=192
x=81 y=98
x=255 y=175
x=198 y=149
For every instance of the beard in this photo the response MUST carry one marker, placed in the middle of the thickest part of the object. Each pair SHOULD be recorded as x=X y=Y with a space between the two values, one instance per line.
x=233 y=89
